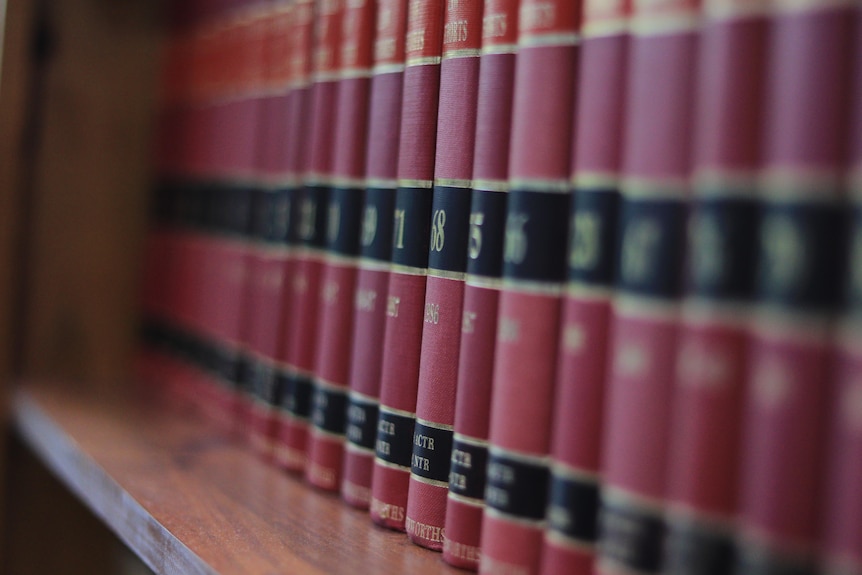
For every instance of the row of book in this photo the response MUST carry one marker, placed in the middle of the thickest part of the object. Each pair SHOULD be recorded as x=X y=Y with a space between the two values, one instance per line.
x=553 y=287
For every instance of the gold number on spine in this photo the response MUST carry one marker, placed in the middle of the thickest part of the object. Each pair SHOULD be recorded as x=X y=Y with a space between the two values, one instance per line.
x=437 y=234
x=515 y=248
x=369 y=226
x=475 y=243
x=586 y=228
x=307 y=217
x=334 y=222
x=398 y=239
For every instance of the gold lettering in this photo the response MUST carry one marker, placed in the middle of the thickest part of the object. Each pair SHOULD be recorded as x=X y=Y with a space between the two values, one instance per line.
x=537 y=15
x=392 y=305
x=468 y=322
x=494 y=26
x=509 y=330
x=432 y=313
x=365 y=299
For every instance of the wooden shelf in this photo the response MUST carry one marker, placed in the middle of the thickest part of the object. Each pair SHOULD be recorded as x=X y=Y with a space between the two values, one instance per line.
x=189 y=499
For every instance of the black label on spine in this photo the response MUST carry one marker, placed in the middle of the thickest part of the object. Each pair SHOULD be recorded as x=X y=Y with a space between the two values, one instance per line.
x=517 y=487
x=486 y=233
x=264 y=382
x=344 y=219
x=802 y=255
x=467 y=469
x=432 y=448
x=296 y=398
x=226 y=363
x=852 y=286
x=311 y=216
x=261 y=213
x=535 y=242
x=411 y=226
x=450 y=222
x=573 y=507
x=691 y=548
x=631 y=536
x=362 y=422
x=328 y=409
x=375 y=238
x=394 y=442
x=652 y=239
x=722 y=231
x=593 y=235
x=755 y=560
x=279 y=222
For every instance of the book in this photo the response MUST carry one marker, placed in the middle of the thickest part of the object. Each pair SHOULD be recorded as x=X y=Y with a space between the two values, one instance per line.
x=656 y=168
x=406 y=291
x=711 y=352
x=344 y=218
x=384 y=127
x=534 y=265
x=465 y=500
x=800 y=257
x=447 y=265
x=572 y=530
x=311 y=219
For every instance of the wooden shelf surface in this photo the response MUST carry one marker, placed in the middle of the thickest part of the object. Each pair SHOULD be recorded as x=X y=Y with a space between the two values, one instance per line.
x=187 y=498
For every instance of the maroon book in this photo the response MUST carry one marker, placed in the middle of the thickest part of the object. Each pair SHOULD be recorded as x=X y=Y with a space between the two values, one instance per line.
x=297 y=353
x=344 y=214
x=372 y=281
x=406 y=294
x=711 y=351
x=642 y=357
x=534 y=268
x=447 y=266
x=570 y=537
x=465 y=500
x=800 y=249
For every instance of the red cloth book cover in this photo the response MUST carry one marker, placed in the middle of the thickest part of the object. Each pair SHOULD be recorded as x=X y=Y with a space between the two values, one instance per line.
x=406 y=294
x=344 y=215
x=656 y=172
x=465 y=500
x=800 y=250
x=706 y=416
x=447 y=266
x=310 y=226
x=570 y=537
x=534 y=269
x=384 y=128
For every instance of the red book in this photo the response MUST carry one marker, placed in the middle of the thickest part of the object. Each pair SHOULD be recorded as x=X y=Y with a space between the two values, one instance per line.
x=447 y=265
x=534 y=268
x=269 y=266
x=711 y=360
x=656 y=171
x=376 y=251
x=406 y=293
x=465 y=500
x=344 y=213
x=311 y=217
x=841 y=541
x=569 y=545
x=800 y=249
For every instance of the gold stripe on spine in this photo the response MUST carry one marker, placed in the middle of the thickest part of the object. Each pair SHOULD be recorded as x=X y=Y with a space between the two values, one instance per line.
x=453 y=183
x=341 y=259
x=671 y=188
x=320 y=432
x=424 y=61
x=659 y=25
x=588 y=291
x=730 y=9
x=531 y=185
x=520 y=456
x=811 y=185
x=491 y=185
x=561 y=469
x=446 y=274
x=725 y=183
x=469 y=440
x=500 y=49
x=350 y=446
x=705 y=311
x=554 y=537
x=395 y=466
x=596 y=180
x=395 y=411
x=351 y=73
x=785 y=6
x=480 y=503
x=344 y=182
x=387 y=69
x=408 y=270
x=631 y=499
x=549 y=288
x=435 y=425
x=431 y=482
x=503 y=516
x=384 y=183
x=528 y=40
x=484 y=282
x=358 y=395
x=407 y=183
x=786 y=325
x=462 y=53
x=374 y=265
x=653 y=308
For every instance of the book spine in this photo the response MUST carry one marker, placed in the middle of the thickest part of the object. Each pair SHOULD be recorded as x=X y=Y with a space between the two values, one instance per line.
x=800 y=253
x=270 y=217
x=295 y=358
x=572 y=531
x=842 y=523
x=447 y=266
x=534 y=268
x=656 y=172
x=711 y=351
x=344 y=213
x=465 y=500
x=372 y=283
x=406 y=293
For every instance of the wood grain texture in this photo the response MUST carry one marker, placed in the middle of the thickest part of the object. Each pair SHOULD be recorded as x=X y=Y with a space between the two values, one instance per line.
x=189 y=499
